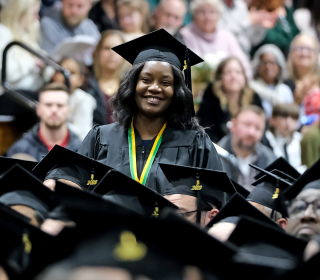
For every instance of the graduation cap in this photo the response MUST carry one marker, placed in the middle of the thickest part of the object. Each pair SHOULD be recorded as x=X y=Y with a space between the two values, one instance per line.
x=159 y=46
x=236 y=207
x=123 y=190
x=304 y=182
x=20 y=187
x=268 y=191
x=6 y=163
x=240 y=189
x=205 y=184
x=84 y=171
x=282 y=165
x=260 y=242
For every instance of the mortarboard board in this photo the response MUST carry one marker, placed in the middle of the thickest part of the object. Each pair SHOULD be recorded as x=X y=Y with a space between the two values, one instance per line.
x=269 y=189
x=282 y=165
x=6 y=163
x=20 y=187
x=85 y=172
x=240 y=189
x=237 y=206
x=205 y=184
x=311 y=175
x=123 y=190
x=258 y=239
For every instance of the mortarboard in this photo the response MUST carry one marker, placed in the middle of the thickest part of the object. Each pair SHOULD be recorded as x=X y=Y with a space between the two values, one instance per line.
x=240 y=189
x=258 y=239
x=20 y=187
x=86 y=172
x=123 y=190
x=237 y=206
x=282 y=165
x=311 y=175
x=6 y=163
x=269 y=189
x=205 y=184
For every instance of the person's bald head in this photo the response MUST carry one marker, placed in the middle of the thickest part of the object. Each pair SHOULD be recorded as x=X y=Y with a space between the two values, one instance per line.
x=75 y=11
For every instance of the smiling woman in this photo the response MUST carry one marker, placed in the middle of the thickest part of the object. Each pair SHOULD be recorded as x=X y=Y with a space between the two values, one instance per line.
x=153 y=113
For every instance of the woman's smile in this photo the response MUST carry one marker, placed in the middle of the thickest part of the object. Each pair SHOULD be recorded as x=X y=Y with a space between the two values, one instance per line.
x=154 y=100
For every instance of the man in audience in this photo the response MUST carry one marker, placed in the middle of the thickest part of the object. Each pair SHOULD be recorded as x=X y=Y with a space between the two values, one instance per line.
x=53 y=111
x=66 y=20
x=169 y=15
x=244 y=142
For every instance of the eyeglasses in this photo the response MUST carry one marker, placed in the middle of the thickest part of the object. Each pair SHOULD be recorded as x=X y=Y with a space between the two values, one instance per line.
x=299 y=206
x=186 y=213
x=265 y=63
x=300 y=49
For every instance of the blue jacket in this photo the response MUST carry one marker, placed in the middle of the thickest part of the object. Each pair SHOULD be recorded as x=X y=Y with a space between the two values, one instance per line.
x=31 y=144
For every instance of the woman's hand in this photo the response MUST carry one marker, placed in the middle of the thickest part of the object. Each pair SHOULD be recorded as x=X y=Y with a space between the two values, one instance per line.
x=303 y=87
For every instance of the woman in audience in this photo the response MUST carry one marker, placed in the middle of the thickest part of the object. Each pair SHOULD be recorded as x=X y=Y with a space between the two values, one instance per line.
x=269 y=70
x=225 y=97
x=133 y=18
x=204 y=37
x=108 y=66
x=19 y=20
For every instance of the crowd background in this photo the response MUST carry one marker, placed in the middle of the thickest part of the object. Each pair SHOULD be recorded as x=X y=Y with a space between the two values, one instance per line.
x=261 y=58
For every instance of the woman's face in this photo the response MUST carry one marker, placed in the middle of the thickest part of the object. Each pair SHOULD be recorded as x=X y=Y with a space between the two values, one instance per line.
x=233 y=78
x=269 y=68
x=304 y=53
x=155 y=89
x=130 y=20
x=109 y=59
x=206 y=18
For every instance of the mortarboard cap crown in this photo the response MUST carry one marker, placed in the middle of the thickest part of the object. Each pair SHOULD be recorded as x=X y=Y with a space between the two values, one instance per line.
x=6 y=163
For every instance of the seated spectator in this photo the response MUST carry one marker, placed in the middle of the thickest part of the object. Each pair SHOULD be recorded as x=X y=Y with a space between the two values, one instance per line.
x=282 y=137
x=269 y=70
x=223 y=99
x=203 y=36
x=249 y=27
x=53 y=111
x=133 y=18
x=23 y=69
x=82 y=104
x=66 y=20
x=282 y=33
x=104 y=15
x=169 y=15
x=108 y=66
x=244 y=142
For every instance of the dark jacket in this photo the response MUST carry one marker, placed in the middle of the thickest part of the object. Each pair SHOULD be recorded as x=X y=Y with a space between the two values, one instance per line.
x=31 y=144
x=213 y=116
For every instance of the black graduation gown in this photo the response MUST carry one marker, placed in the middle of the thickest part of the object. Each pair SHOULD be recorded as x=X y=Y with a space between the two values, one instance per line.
x=108 y=144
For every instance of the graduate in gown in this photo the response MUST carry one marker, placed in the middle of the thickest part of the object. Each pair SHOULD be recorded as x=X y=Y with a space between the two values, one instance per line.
x=154 y=113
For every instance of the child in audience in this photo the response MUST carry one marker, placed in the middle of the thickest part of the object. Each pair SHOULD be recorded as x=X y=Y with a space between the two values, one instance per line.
x=82 y=103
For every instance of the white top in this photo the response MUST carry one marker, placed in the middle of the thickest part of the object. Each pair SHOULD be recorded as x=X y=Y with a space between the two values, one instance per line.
x=82 y=106
x=243 y=164
x=302 y=18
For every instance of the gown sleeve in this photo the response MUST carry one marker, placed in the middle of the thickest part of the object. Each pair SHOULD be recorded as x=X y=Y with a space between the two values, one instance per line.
x=72 y=172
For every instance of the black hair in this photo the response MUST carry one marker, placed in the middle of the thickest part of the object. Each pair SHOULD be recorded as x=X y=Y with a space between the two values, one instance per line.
x=178 y=113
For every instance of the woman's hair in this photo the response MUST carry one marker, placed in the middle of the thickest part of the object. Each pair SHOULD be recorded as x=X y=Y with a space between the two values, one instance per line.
x=314 y=7
x=246 y=94
x=96 y=53
x=195 y=4
x=18 y=16
x=141 y=6
x=178 y=113
x=291 y=69
x=274 y=50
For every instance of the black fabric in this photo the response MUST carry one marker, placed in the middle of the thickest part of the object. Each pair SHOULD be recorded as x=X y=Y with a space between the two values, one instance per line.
x=291 y=84
x=109 y=145
x=240 y=189
x=213 y=117
x=6 y=163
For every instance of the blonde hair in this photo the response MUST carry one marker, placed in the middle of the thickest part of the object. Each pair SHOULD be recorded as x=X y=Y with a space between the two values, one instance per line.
x=18 y=16
x=96 y=53
x=195 y=4
x=291 y=69
x=141 y=6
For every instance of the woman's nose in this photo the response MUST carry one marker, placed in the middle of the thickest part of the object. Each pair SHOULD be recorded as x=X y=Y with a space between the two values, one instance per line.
x=155 y=87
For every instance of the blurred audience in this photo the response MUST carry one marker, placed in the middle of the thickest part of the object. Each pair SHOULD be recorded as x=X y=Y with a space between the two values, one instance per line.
x=270 y=70
x=67 y=19
x=82 y=104
x=203 y=36
x=108 y=71
x=53 y=110
x=282 y=137
x=104 y=15
x=169 y=15
x=223 y=99
x=19 y=21
x=244 y=142
x=310 y=146
x=133 y=18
